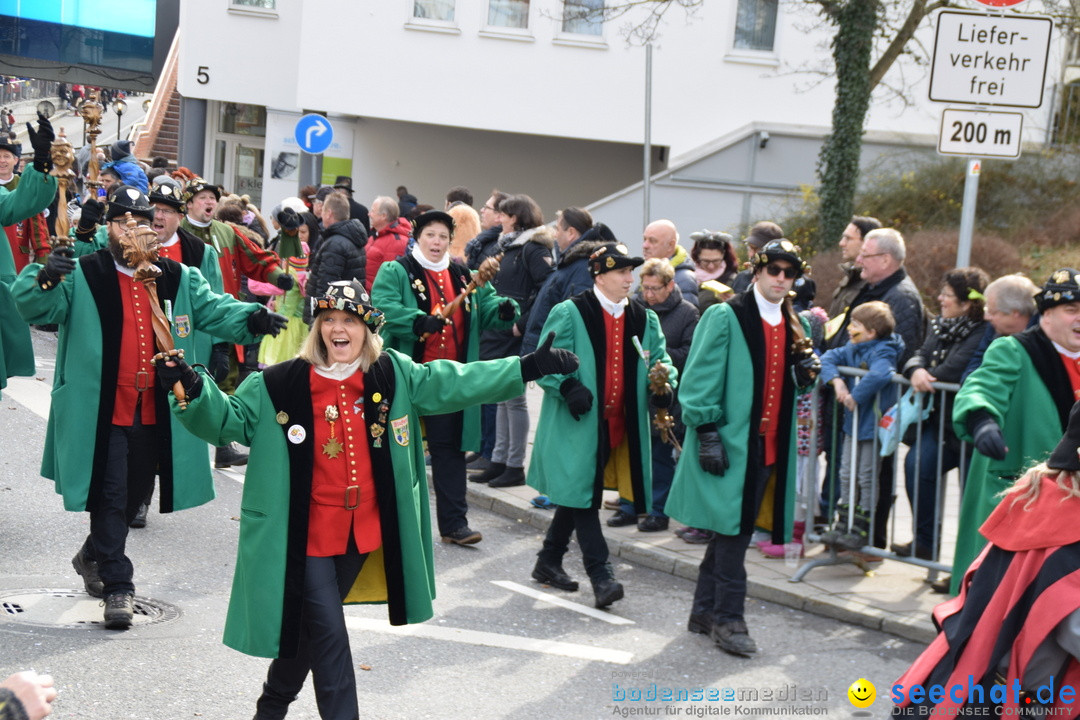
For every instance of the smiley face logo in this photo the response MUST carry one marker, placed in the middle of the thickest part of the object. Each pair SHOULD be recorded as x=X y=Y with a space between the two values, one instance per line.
x=862 y=693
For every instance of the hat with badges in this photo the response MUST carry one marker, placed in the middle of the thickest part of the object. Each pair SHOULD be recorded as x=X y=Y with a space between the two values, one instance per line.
x=1063 y=287
x=197 y=185
x=432 y=216
x=612 y=256
x=350 y=296
x=168 y=191
x=782 y=249
x=128 y=199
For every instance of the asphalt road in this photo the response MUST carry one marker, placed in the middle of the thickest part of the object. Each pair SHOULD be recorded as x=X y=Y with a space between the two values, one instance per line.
x=494 y=649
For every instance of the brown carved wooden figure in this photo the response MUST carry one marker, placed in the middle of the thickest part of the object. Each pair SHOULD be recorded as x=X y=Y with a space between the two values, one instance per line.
x=659 y=385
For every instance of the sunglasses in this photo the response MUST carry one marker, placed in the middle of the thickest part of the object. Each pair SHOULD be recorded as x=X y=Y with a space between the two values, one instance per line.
x=774 y=270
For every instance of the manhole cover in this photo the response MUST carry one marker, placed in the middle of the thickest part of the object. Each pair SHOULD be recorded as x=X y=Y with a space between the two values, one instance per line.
x=74 y=609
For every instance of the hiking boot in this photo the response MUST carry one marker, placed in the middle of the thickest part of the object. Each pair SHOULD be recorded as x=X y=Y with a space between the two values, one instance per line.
x=552 y=574
x=513 y=477
x=230 y=455
x=733 y=637
x=462 y=536
x=607 y=591
x=493 y=471
x=119 y=610
x=700 y=624
x=621 y=518
x=652 y=523
x=88 y=569
x=139 y=521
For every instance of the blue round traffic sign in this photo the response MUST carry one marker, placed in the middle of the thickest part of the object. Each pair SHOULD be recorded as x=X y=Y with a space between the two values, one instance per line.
x=313 y=134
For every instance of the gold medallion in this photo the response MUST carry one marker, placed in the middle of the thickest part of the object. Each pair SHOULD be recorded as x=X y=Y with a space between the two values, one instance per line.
x=282 y=417
x=331 y=448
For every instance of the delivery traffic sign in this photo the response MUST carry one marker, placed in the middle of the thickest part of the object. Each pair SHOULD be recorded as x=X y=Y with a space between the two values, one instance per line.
x=990 y=59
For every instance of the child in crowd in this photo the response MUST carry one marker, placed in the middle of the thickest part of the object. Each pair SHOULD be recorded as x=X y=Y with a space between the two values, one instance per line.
x=874 y=348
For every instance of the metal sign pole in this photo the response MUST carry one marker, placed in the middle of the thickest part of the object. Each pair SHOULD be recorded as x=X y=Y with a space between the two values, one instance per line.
x=967 y=212
x=646 y=211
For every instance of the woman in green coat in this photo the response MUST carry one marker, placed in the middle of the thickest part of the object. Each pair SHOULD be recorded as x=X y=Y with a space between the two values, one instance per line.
x=335 y=505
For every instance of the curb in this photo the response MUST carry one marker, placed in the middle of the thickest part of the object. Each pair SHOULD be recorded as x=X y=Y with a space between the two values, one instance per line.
x=781 y=592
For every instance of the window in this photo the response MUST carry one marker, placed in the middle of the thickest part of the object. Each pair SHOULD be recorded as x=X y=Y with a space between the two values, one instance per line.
x=434 y=10
x=755 y=25
x=508 y=13
x=583 y=17
x=264 y=4
x=238 y=119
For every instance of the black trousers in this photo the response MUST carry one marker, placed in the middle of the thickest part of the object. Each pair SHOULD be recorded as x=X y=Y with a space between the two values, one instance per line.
x=721 y=585
x=447 y=470
x=130 y=467
x=586 y=523
x=324 y=645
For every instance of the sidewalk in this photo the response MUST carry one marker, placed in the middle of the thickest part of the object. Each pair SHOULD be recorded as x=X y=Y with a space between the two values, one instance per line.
x=893 y=597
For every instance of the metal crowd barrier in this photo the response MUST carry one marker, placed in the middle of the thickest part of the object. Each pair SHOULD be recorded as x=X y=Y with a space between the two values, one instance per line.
x=900 y=525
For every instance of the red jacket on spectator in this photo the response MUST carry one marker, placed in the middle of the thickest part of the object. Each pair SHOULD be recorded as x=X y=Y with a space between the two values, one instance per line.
x=386 y=245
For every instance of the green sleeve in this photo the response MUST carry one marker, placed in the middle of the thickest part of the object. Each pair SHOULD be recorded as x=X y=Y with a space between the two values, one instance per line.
x=388 y=293
x=99 y=241
x=222 y=316
x=705 y=371
x=445 y=386
x=656 y=345
x=219 y=419
x=487 y=307
x=561 y=322
x=990 y=387
x=34 y=193
x=37 y=306
x=211 y=270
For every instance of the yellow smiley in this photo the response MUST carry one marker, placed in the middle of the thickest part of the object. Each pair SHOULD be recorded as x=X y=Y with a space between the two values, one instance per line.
x=862 y=693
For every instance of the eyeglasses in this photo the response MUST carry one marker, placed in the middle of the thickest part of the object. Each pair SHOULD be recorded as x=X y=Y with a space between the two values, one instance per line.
x=710 y=263
x=866 y=255
x=774 y=270
x=489 y=208
x=649 y=290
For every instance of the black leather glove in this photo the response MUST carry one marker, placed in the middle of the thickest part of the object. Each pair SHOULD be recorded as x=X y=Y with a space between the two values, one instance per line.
x=428 y=325
x=987 y=435
x=264 y=322
x=578 y=397
x=807 y=370
x=90 y=217
x=41 y=141
x=219 y=361
x=547 y=361
x=57 y=265
x=711 y=452
x=285 y=281
x=507 y=310
x=178 y=370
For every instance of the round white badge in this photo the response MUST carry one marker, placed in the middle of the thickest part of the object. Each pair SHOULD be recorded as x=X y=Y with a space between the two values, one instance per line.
x=297 y=434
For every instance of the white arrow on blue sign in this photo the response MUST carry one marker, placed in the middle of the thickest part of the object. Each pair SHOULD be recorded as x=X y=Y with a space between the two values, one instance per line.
x=313 y=134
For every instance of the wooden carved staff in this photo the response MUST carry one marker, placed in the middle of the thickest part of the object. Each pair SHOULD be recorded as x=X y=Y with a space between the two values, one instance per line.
x=483 y=276
x=660 y=385
x=140 y=245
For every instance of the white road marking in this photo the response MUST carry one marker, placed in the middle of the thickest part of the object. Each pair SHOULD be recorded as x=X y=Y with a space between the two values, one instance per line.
x=33 y=394
x=563 y=603
x=486 y=639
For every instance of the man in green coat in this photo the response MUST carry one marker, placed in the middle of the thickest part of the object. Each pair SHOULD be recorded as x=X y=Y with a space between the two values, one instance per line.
x=36 y=189
x=1015 y=407
x=594 y=423
x=109 y=428
x=746 y=365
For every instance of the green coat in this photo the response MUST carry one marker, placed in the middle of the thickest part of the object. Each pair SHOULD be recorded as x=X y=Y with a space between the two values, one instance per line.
x=568 y=455
x=87 y=306
x=194 y=253
x=400 y=293
x=32 y=195
x=1025 y=388
x=267 y=592
x=722 y=384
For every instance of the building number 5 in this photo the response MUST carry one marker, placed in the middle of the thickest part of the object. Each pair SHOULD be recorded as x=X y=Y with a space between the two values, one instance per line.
x=202 y=76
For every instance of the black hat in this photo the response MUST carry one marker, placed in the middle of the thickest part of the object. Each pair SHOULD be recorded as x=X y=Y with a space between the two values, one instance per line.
x=350 y=296
x=322 y=192
x=782 y=249
x=599 y=231
x=344 y=182
x=612 y=256
x=197 y=185
x=11 y=145
x=289 y=219
x=119 y=149
x=1062 y=287
x=432 y=216
x=167 y=191
x=128 y=199
x=1066 y=455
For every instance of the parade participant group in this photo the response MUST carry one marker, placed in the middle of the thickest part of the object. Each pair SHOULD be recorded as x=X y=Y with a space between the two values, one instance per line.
x=161 y=295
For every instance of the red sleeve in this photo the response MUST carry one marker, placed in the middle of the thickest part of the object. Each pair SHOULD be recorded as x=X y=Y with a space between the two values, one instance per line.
x=40 y=247
x=256 y=262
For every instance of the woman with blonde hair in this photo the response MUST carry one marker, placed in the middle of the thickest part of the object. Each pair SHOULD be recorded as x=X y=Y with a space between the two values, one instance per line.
x=1016 y=623
x=466 y=227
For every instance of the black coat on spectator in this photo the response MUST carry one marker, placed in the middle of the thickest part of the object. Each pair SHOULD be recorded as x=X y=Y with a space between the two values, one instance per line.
x=340 y=256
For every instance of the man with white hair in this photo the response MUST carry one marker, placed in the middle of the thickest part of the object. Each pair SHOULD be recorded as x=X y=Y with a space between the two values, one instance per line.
x=661 y=240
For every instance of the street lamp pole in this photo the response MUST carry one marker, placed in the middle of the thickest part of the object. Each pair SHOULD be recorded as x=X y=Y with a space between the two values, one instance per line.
x=119 y=107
